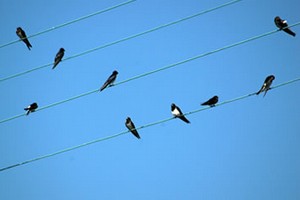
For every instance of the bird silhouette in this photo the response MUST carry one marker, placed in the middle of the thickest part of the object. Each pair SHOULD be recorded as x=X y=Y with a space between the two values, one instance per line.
x=110 y=80
x=211 y=102
x=60 y=54
x=22 y=35
x=266 y=86
x=178 y=113
x=31 y=108
x=130 y=125
x=282 y=25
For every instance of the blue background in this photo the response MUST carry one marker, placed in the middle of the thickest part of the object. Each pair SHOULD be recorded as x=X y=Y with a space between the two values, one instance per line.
x=248 y=149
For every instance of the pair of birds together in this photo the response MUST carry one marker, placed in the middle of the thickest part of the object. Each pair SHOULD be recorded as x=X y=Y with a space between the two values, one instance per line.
x=32 y=107
x=22 y=35
x=175 y=110
x=109 y=82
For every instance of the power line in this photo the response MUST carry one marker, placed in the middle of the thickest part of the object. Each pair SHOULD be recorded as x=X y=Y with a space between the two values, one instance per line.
x=202 y=55
x=71 y=22
x=121 y=40
x=51 y=105
x=141 y=127
x=154 y=71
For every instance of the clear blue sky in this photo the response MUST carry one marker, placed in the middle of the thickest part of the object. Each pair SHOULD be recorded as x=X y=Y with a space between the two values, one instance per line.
x=245 y=150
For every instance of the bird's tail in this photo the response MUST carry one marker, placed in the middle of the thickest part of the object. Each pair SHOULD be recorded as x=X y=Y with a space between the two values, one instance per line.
x=55 y=64
x=28 y=111
x=288 y=31
x=261 y=89
x=183 y=118
x=28 y=44
x=136 y=134
x=257 y=93
x=266 y=91
x=103 y=86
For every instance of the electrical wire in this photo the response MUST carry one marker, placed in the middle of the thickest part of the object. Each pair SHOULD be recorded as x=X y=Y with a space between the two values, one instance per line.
x=141 y=127
x=202 y=55
x=154 y=71
x=121 y=40
x=71 y=22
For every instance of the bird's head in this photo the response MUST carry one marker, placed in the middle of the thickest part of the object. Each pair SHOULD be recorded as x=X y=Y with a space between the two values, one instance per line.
x=173 y=106
x=277 y=18
x=271 y=77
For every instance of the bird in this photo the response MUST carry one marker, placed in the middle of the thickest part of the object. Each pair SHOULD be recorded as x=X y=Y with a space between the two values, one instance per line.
x=110 y=80
x=177 y=113
x=22 y=35
x=31 y=108
x=282 y=25
x=130 y=125
x=60 y=54
x=266 y=86
x=211 y=102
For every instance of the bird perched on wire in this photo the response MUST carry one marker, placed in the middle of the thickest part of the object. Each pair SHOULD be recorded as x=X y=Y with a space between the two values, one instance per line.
x=130 y=125
x=22 y=35
x=178 y=113
x=282 y=25
x=266 y=86
x=60 y=54
x=111 y=79
x=31 y=108
x=211 y=102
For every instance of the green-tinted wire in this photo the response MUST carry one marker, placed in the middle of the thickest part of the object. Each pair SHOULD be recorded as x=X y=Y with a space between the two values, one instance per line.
x=141 y=127
x=71 y=22
x=285 y=83
x=121 y=40
x=52 y=105
x=63 y=151
x=154 y=71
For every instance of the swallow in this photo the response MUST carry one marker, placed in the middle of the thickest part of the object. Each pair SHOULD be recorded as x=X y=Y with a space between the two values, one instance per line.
x=266 y=86
x=60 y=54
x=130 y=125
x=110 y=80
x=177 y=113
x=282 y=25
x=211 y=102
x=23 y=37
x=31 y=108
